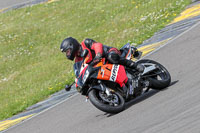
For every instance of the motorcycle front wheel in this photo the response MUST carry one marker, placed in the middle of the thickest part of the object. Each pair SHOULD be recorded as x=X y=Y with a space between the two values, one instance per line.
x=114 y=103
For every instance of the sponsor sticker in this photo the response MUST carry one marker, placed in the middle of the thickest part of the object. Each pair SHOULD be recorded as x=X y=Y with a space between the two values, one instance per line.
x=114 y=73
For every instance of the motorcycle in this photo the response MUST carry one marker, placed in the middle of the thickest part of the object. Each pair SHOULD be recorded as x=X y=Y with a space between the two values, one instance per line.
x=104 y=83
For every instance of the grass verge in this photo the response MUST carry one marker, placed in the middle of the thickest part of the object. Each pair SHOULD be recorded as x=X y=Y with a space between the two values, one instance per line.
x=31 y=64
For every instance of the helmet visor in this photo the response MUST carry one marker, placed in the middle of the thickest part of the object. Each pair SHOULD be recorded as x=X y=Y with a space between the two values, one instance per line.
x=68 y=52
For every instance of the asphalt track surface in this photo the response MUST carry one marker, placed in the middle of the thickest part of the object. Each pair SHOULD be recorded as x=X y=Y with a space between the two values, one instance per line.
x=175 y=109
x=10 y=3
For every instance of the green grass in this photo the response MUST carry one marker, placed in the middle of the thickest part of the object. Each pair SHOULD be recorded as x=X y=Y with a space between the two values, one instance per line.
x=31 y=64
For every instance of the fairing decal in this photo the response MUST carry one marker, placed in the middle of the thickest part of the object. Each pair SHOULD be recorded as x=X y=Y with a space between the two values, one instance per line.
x=105 y=72
x=121 y=76
x=114 y=73
x=83 y=68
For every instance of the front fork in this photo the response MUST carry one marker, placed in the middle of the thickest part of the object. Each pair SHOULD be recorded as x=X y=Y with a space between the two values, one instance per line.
x=102 y=88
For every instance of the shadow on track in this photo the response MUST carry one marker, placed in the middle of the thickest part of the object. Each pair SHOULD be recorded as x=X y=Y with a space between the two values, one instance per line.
x=139 y=99
x=147 y=95
x=132 y=102
x=174 y=82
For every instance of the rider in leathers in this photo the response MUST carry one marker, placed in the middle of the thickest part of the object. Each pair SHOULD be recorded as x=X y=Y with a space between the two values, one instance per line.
x=97 y=51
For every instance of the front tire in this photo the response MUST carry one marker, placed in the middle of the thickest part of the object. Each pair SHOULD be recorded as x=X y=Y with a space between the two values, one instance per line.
x=102 y=104
x=160 y=81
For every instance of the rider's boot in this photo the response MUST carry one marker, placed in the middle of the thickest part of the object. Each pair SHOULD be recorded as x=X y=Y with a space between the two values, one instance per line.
x=131 y=64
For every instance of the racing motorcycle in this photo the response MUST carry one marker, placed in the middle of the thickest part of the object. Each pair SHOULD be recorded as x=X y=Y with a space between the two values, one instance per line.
x=104 y=83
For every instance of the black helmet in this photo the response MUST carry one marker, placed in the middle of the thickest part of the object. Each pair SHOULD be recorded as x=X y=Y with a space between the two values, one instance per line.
x=70 y=46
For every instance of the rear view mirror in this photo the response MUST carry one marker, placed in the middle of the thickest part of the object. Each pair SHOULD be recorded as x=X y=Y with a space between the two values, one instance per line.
x=84 y=54
x=139 y=55
x=67 y=87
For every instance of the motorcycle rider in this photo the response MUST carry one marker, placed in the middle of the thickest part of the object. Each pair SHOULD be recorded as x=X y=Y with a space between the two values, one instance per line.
x=73 y=49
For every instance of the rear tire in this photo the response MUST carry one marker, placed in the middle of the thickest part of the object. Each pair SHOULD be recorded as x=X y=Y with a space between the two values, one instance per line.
x=165 y=78
x=99 y=103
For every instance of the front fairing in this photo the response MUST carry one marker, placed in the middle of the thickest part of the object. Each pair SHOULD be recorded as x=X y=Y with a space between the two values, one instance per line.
x=77 y=68
x=107 y=72
x=81 y=73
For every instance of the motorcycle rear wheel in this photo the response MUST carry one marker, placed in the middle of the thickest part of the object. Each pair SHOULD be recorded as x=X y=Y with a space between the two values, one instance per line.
x=160 y=81
x=105 y=106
